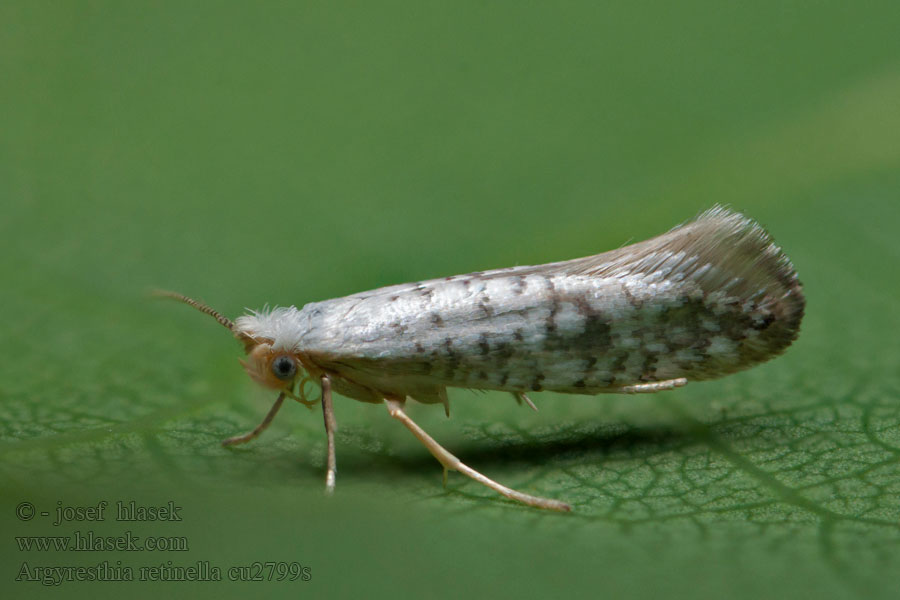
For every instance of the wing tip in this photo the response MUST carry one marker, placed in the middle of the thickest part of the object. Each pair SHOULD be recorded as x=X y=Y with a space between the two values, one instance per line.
x=748 y=251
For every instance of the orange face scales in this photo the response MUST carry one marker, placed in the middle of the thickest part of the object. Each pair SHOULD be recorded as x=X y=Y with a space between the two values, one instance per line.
x=274 y=369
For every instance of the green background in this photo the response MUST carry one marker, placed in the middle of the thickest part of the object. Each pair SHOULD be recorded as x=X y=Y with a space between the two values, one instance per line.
x=286 y=152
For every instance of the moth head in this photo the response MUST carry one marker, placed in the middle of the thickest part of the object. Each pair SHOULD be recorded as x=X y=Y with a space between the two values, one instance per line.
x=268 y=363
x=272 y=368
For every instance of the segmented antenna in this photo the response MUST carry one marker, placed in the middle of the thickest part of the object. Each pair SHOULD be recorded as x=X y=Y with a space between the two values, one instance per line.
x=223 y=320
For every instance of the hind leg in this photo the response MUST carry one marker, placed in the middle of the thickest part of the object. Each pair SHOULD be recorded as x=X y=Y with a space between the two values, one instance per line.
x=450 y=462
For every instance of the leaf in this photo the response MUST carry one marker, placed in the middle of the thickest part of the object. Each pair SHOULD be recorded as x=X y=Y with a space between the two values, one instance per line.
x=317 y=158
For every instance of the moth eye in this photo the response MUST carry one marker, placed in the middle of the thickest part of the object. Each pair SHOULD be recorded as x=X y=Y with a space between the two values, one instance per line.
x=284 y=367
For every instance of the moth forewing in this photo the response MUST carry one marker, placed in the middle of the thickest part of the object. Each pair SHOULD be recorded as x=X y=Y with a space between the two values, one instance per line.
x=708 y=298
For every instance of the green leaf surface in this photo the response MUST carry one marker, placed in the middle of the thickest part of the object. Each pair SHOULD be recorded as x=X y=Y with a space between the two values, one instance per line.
x=285 y=153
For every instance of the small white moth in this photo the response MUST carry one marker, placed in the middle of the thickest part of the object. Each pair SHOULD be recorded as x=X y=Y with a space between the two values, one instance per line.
x=708 y=298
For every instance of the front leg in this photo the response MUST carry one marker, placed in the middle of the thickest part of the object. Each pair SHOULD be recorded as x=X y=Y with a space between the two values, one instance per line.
x=243 y=439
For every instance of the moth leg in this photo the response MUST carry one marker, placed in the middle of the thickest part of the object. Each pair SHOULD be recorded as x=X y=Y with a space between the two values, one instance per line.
x=656 y=386
x=450 y=462
x=300 y=396
x=442 y=394
x=523 y=397
x=243 y=439
x=330 y=426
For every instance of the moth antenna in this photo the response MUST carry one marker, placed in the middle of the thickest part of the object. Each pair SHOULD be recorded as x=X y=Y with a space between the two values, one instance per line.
x=223 y=320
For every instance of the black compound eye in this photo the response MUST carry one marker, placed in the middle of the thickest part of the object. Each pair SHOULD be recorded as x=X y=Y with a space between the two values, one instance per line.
x=284 y=367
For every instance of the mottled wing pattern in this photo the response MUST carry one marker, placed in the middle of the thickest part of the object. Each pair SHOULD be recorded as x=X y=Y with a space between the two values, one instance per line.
x=708 y=298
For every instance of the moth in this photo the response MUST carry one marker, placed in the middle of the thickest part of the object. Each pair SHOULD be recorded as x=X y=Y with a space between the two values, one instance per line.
x=710 y=297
